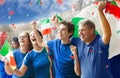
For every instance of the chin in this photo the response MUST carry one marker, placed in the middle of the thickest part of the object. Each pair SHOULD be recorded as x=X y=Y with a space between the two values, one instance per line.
x=82 y=40
x=60 y=38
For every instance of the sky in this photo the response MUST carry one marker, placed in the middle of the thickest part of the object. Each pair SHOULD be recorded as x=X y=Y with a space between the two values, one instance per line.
x=19 y=11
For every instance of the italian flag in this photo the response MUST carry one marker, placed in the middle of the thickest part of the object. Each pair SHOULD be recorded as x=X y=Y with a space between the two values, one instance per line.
x=47 y=27
x=8 y=53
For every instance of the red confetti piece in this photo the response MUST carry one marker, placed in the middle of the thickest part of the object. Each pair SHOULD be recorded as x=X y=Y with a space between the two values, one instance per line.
x=41 y=3
x=74 y=6
x=96 y=3
x=13 y=25
x=92 y=13
x=59 y=1
x=11 y=12
x=30 y=3
x=2 y=2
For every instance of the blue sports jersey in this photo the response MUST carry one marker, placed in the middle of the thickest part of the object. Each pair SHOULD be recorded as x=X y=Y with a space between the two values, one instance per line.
x=114 y=66
x=63 y=61
x=19 y=59
x=93 y=58
x=40 y=62
x=2 y=71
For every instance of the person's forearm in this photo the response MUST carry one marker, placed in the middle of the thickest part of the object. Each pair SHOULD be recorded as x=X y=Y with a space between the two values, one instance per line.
x=77 y=65
x=104 y=23
x=8 y=69
x=18 y=72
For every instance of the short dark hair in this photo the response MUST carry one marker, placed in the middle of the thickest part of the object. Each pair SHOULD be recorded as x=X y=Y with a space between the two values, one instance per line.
x=69 y=25
x=87 y=23
x=15 y=39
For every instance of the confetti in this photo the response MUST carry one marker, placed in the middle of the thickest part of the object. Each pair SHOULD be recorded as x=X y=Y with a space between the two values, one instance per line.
x=59 y=1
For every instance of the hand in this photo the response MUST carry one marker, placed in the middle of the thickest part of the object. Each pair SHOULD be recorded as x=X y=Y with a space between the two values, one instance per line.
x=6 y=61
x=73 y=49
x=102 y=6
x=54 y=20
x=33 y=24
x=1 y=57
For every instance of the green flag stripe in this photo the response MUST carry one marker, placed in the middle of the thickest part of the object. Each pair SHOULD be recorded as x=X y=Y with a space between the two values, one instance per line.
x=5 y=48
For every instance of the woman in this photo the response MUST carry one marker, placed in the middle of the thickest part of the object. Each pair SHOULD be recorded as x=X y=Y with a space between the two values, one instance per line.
x=38 y=58
x=19 y=54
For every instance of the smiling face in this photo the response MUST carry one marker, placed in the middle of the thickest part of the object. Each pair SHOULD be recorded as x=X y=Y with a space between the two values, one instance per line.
x=86 y=30
x=33 y=38
x=85 y=33
x=63 y=32
x=15 y=45
x=66 y=30
x=24 y=39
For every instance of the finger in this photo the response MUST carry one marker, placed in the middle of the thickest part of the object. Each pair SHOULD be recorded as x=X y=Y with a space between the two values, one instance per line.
x=52 y=18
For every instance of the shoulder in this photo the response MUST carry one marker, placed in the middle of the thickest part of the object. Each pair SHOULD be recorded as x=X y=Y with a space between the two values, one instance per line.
x=100 y=41
x=53 y=41
x=17 y=51
x=75 y=41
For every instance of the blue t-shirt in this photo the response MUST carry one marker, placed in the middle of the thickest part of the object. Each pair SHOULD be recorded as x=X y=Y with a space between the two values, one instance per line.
x=63 y=62
x=19 y=59
x=2 y=71
x=114 y=66
x=93 y=58
x=40 y=62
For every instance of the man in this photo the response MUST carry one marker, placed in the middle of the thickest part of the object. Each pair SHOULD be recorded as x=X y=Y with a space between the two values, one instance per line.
x=15 y=43
x=93 y=49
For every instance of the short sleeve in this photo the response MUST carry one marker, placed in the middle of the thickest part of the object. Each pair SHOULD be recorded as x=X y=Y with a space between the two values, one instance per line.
x=27 y=59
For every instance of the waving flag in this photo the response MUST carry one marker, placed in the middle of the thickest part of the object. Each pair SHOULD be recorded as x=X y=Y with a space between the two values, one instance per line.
x=113 y=9
x=5 y=51
x=5 y=48
x=46 y=29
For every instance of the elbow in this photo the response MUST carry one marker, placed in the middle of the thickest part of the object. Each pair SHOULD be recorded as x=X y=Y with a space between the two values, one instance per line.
x=8 y=73
x=78 y=73
x=106 y=38
x=19 y=75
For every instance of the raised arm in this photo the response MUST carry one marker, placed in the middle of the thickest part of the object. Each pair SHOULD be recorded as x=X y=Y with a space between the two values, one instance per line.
x=54 y=20
x=76 y=61
x=38 y=37
x=104 y=23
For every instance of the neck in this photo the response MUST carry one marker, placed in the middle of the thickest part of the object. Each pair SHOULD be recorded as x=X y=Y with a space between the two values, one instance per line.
x=24 y=49
x=90 y=40
x=37 y=47
x=65 y=41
